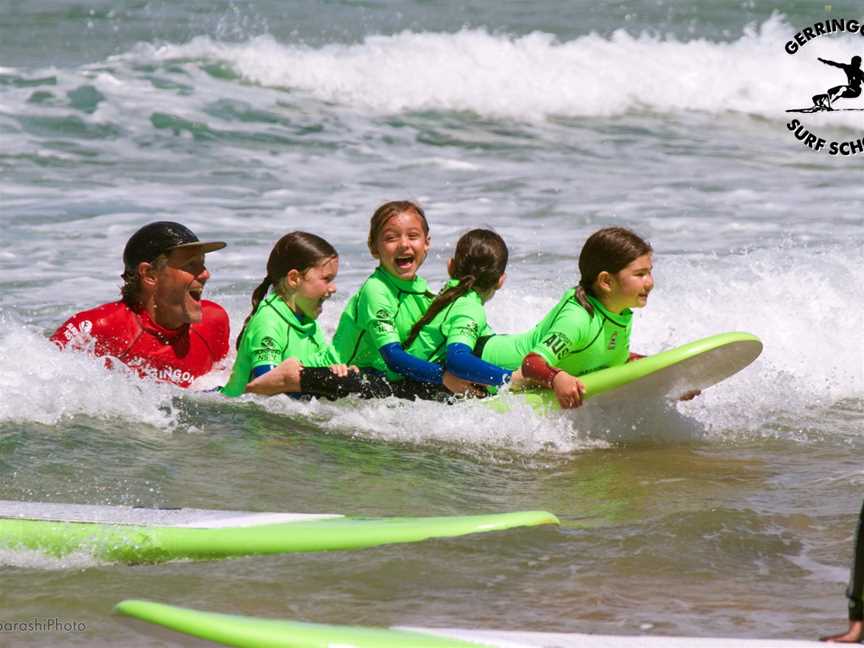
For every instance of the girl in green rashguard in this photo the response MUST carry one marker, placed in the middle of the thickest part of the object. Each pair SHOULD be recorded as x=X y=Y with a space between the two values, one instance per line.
x=281 y=348
x=378 y=317
x=589 y=329
x=449 y=330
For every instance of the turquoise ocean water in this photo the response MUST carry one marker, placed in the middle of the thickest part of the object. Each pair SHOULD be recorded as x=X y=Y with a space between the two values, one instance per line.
x=731 y=515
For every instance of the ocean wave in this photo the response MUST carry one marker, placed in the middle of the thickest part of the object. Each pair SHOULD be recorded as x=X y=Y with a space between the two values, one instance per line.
x=536 y=76
x=44 y=385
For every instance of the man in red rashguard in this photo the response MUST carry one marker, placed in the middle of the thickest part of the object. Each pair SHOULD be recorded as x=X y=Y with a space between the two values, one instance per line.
x=160 y=327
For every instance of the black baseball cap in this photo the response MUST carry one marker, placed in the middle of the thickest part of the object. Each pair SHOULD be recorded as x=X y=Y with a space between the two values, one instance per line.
x=160 y=238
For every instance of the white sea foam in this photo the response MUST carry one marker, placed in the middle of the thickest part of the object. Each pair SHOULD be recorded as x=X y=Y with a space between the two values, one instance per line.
x=41 y=384
x=535 y=76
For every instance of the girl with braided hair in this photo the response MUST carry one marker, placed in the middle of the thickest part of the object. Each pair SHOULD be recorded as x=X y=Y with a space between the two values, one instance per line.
x=455 y=320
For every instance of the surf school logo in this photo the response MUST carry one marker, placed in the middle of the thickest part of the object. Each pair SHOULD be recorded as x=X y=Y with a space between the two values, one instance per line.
x=384 y=321
x=268 y=352
x=839 y=97
x=469 y=329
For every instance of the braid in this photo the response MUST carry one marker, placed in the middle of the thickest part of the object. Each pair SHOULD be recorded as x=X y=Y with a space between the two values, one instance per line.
x=259 y=293
x=444 y=299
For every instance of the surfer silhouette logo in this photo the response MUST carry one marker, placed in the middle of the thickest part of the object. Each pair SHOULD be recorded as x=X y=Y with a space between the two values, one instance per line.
x=852 y=89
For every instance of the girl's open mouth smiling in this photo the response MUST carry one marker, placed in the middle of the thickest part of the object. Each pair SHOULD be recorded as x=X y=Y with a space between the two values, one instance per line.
x=404 y=261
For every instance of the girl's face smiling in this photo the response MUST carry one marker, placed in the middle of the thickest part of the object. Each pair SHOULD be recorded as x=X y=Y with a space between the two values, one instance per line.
x=401 y=245
x=310 y=289
x=629 y=287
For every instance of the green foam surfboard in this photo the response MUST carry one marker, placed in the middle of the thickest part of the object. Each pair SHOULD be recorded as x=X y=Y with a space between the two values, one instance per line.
x=134 y=535
x=250 y=632
x=665 y=375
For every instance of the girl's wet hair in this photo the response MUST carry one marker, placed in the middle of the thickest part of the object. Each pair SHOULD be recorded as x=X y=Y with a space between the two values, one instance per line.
x=610 y=249
x=478 y=263
x=387 y=211
x=294 y=251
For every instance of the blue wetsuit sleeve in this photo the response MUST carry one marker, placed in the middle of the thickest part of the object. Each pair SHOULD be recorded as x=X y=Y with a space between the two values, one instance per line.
x=462 y=363
x=260 y=371
x=411 y=366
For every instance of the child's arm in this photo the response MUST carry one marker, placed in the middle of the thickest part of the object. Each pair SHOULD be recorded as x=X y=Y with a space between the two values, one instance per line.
x=568 y=389
x=416 y=369
x=462 y=362
x=404 y=363
x=268 y=380
x=462 y=327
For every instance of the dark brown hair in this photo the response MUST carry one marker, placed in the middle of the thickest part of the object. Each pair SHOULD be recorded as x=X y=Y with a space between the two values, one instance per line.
x=478 y=263
x=387 y=211
x=294 y=251
x=130 y=291
x=610 y=249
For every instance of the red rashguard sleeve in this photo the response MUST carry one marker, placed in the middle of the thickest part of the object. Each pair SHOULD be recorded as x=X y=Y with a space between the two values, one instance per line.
x=215 y=329
x=110 y=327
x=535 y=367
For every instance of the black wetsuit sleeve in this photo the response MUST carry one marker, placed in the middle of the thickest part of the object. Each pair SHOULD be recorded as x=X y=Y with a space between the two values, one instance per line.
x=320 y=381
x=855 y=591
x=323 y=383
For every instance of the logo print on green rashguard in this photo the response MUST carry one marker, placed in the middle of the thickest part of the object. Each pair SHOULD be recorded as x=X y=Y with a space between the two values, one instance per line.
x=558 y=343
x=384 y=321
x=269 y=352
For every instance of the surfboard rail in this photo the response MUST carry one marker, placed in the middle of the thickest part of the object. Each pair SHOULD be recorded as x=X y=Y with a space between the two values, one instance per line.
x=137 y=542
x=252 y=632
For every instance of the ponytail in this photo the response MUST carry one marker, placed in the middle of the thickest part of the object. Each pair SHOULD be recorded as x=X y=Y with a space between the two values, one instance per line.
x=257 y=296
x=581 y=296
x=442 y=301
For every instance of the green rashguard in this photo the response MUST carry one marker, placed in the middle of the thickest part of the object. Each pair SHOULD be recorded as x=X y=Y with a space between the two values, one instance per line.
x=463 y=321
x=381 y=312
x=273 y=334
x=568 y=338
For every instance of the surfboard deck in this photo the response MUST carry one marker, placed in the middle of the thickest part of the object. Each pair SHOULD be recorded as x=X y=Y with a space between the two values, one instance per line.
x=251 y=632
x=666 y=375
x=135 y=535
